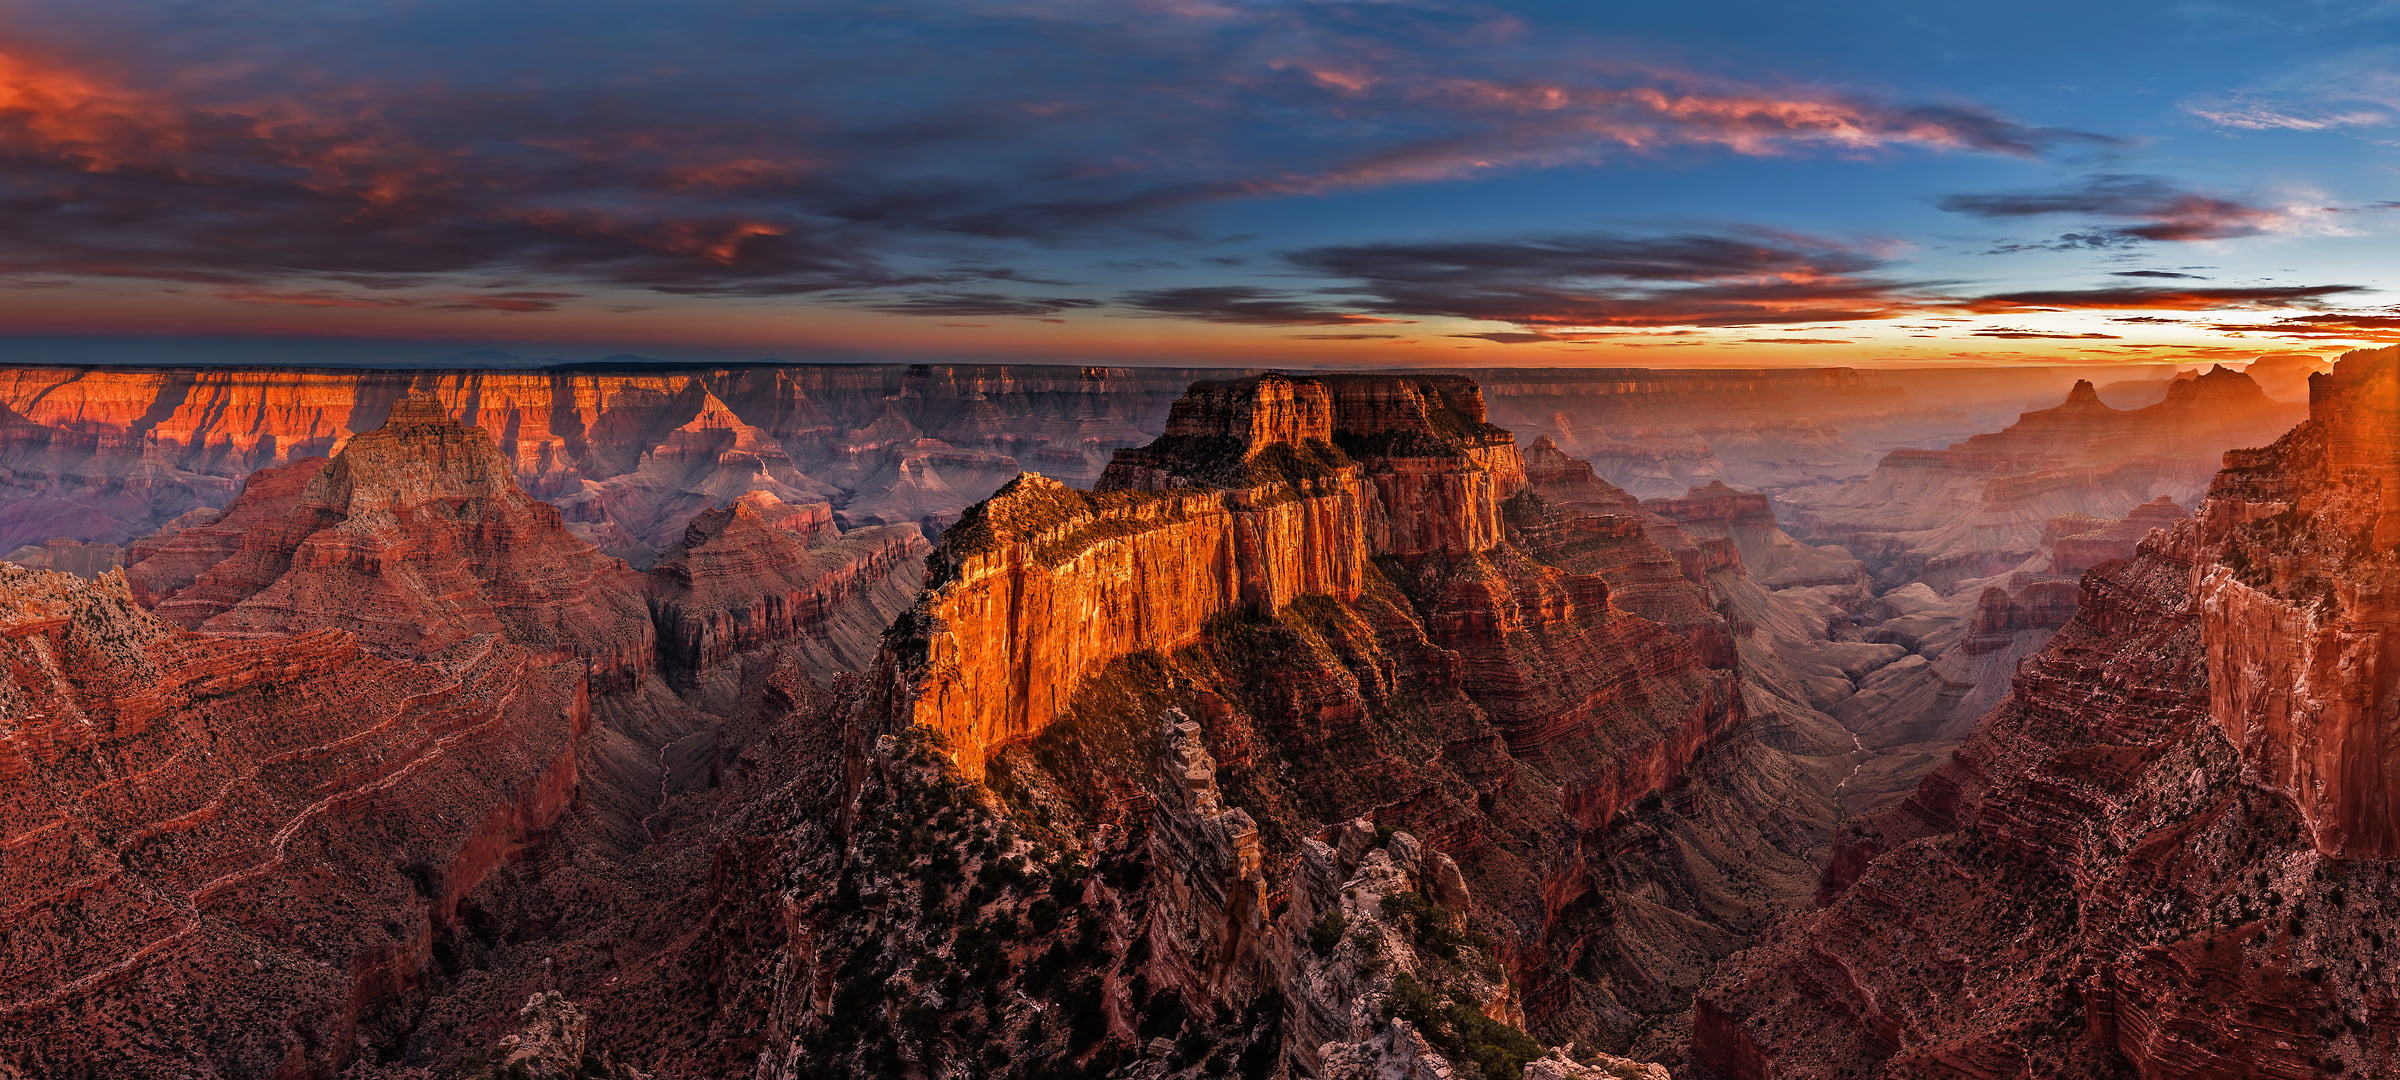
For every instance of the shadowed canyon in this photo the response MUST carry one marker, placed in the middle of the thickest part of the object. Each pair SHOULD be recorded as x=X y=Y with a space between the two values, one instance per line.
x=789 y=721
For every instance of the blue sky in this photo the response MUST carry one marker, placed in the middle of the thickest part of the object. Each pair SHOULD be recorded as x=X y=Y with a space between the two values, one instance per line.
x=1211 y=181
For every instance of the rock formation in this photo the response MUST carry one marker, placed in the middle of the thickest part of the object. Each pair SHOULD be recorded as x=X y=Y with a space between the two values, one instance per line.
x=2166 y=854
x=1354 y=586
x=1658 y=432
x=1327 y=734
x=417 y=538
x=1979 y=507
x=86 y=561
x=224 y=854
x=759 y=571
x=107 y=455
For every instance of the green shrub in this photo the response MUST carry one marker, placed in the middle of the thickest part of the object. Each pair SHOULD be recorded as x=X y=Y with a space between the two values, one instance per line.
x=1328 y=932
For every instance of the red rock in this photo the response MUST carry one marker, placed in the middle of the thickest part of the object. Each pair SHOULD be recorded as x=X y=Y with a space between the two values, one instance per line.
x=1349 y=613
x=2164 y=854
x=417 y=538
x=220 y=852
x=744 y=578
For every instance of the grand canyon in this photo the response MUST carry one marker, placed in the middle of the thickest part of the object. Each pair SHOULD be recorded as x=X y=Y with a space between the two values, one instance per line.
x=1020 y=720
x=1196 y=539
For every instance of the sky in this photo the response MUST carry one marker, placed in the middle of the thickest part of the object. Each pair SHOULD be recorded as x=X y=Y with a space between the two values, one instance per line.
x=1703 y=183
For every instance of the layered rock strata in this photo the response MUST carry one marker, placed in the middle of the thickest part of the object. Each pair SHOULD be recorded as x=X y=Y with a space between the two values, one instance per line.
x=760 y=571
x=2166 y=853
x=415 y=537
x=106 y=455
x=1353 y=585
x=221 y=853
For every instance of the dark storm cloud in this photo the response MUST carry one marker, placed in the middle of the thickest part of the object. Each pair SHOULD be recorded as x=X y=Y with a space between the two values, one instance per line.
x=1747 y=279
x=1242 y=304
x=745 y=151
x=2156 y=209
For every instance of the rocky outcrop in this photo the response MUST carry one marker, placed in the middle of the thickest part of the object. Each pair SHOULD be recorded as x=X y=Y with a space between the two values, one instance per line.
x=1041 y=587
x=555 y=1043
x=1212 y=865
x=2079 y=542
x=416 y=538
x=1377 y=613
x=223 y=855
x=760 y=571
x=86 y=561
x=1746 y=522
x=2165 y=854
x=2302 y=613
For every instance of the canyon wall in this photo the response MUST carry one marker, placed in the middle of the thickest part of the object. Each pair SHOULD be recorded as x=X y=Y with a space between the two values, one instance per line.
x=2165 y=854
x=629 y=453
x=417 y=538
x=287 y=823
x=2302 y=613
x=280 y=793
x=108 y=455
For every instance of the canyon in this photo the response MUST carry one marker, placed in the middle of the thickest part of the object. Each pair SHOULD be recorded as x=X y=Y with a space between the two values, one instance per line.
x=2165 y=854
x=944 y=720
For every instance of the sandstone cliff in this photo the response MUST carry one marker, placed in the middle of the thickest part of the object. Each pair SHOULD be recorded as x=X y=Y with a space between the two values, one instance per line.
x=2164 y=854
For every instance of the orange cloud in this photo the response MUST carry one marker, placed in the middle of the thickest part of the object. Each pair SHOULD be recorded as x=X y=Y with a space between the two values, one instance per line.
x=54 y=110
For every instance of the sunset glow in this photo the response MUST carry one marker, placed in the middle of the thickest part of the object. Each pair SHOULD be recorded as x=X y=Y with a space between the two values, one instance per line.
x=1319 y=184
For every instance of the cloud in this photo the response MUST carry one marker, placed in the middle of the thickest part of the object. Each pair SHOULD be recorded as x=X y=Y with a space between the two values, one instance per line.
x=2164 y=298
x=2156 y=274
x=318 y=298
x=1496 y=124
x=1506 y=337
x=2017 y=334
x=1611 y=280
x=2159 y=210
x=762 y=152
x=2254 y=116
x=1795 y=341
x=1341 y=337
x=2350 y=90
x=958 y=304
x=1241 y=304
x=509 y=301
x=2370 y=326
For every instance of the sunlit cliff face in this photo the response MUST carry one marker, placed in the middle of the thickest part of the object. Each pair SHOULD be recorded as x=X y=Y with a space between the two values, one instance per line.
x=1318 y=185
